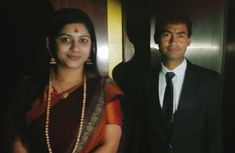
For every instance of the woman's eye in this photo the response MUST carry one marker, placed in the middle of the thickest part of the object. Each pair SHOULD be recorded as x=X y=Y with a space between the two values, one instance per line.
x=65 y=40
x=83 y=40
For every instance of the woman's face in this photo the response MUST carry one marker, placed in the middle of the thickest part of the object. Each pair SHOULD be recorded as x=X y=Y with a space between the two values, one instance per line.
x=73 y=45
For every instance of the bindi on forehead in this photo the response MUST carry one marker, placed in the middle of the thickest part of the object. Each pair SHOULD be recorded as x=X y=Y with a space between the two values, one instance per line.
x=76 y=30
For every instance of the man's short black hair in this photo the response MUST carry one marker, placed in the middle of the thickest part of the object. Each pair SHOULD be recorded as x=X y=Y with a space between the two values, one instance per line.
x=163 y=20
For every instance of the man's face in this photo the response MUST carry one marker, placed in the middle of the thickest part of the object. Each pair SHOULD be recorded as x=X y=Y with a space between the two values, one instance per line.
x=174 y=41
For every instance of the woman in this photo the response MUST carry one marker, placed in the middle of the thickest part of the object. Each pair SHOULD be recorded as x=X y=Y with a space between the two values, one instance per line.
x=77 y=111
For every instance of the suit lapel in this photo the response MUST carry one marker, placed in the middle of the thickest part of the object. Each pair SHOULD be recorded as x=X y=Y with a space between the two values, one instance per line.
x=188 y=90
x=153 y=105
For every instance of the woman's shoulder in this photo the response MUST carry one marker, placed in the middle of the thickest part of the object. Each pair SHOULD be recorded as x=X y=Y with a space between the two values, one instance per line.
x=105 y=81
x=111 y=90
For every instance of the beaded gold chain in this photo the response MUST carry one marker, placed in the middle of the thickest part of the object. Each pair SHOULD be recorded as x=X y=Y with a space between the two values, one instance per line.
x=48 y=115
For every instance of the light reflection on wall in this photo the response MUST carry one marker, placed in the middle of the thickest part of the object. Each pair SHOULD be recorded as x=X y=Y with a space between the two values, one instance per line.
x=114 y=34
x=102 y=59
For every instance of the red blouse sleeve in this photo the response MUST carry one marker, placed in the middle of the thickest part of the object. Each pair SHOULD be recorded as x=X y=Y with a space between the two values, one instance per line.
x=113 y=113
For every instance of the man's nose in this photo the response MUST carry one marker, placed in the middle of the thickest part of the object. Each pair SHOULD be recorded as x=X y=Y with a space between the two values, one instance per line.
x=173 y=39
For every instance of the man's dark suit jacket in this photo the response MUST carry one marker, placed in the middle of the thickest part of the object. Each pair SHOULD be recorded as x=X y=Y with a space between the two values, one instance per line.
x=198 y=119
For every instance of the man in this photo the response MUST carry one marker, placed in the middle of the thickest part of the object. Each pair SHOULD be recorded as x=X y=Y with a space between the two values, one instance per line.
x=183 y=111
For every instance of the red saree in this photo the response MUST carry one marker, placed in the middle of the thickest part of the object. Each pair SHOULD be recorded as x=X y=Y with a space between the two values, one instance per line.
x=103 y=107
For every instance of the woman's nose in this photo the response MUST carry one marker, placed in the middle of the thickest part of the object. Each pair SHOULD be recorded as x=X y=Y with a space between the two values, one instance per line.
x=75 y=46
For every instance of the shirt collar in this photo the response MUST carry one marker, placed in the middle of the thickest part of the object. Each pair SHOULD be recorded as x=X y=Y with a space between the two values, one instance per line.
x=179 y=70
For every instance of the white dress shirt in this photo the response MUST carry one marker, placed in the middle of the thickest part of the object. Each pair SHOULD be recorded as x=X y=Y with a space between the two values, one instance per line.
x=177 y=83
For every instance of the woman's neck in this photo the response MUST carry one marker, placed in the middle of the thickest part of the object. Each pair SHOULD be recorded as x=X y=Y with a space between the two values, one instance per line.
x=68 y=77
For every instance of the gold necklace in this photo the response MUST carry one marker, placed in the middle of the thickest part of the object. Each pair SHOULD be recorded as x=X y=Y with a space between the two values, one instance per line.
x=47 y=120
x=64 y=93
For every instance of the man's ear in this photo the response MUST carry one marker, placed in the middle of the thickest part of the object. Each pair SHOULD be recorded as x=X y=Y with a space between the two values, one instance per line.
x=189 y=41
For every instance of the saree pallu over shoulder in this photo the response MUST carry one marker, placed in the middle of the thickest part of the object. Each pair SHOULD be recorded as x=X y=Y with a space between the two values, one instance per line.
x=104 y=109
x=111 y=90
x=113 y=96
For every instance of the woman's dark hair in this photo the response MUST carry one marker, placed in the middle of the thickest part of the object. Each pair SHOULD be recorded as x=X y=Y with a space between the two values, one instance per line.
x=73 y=15
x=161 y=21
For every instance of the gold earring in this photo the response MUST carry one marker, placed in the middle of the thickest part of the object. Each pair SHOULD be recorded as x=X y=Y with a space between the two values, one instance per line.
x=52 y=61
x=89 y=62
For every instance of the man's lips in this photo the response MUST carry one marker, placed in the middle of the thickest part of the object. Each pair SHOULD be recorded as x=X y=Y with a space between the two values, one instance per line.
x=172 y=49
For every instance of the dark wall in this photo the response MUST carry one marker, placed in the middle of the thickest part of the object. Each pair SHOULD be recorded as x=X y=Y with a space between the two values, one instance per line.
x=127 y=74
x=22 y=28
x=137 y=24
x=229 y=80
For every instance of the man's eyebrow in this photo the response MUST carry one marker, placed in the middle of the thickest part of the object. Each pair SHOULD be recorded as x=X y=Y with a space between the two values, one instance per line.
x=180 y=32
x=164 y=30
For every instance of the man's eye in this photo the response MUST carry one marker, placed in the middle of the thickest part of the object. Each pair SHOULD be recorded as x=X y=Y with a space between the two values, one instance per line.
x=166 y=34
x=182 y=35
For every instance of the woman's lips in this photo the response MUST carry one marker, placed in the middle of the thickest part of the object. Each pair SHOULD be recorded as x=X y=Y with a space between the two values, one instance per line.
x=74 y=57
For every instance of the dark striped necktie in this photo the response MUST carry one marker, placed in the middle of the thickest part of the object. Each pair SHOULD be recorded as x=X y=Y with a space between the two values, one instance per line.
x=167 y=108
